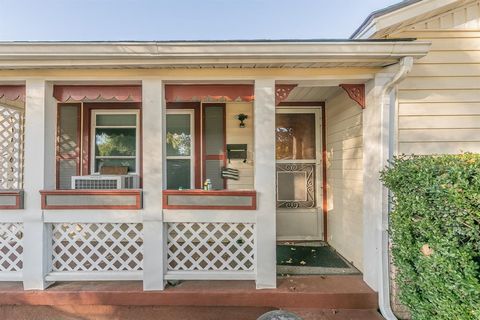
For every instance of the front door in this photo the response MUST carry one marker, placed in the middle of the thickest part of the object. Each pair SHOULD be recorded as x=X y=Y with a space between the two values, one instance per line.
x=299 y=174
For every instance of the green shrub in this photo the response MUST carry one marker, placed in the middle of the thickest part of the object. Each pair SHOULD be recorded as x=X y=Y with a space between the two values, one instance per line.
x=435 y=231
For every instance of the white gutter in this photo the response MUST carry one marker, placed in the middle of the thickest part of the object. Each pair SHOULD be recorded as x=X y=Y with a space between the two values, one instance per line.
x=17 y=55
x=384 y=301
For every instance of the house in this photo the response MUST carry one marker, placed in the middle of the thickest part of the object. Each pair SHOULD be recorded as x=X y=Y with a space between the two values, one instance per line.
x=107 y=147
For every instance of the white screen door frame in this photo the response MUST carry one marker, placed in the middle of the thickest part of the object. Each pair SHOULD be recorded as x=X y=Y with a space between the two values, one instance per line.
x=303 y=223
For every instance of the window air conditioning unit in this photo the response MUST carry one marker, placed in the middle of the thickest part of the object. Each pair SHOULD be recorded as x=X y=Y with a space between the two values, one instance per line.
x=106 y=182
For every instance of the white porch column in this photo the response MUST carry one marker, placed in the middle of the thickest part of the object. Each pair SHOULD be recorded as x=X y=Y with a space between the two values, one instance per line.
x=39 y=173
x=264 y=177
x=154 y=255
x=375 y=155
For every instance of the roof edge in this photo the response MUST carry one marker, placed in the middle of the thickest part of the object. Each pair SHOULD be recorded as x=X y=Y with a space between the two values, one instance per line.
x=410 y=8
x=54 y=54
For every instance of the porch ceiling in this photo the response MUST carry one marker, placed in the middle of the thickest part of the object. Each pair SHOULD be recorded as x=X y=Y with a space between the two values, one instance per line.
x=209 y=54
x=305 y=94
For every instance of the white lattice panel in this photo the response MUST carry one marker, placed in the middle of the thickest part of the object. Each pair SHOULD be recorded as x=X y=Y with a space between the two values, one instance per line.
x=97 y=247
x=211 y=246
x=11 y=249
x=11 y=147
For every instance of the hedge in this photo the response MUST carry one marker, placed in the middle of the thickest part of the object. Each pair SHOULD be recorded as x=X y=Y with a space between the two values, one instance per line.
x=435 y=232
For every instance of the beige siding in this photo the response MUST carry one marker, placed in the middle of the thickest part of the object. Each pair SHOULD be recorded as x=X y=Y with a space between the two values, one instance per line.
x=439 y=102
x=464 y=17
x=237 y=135
x=345 y=177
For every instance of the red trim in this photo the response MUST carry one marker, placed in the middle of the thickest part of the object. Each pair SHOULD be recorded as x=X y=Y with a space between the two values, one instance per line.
x=204 y=152
x=18 y=194
x=224 y=193
x=63 y=93
x=87 y=114
x=198 y=160
x=12 y=93
x=120 y=193
x=76 y=155
x=356 y=92
x=301 y=104
x=324 y=176
x=219 y=92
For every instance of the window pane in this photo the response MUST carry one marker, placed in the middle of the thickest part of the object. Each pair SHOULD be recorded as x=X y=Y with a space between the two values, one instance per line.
x=115 y=142
x=130 y=163
x=295 y=136
x=178 y=174
x=179 y=136
x=116 y=120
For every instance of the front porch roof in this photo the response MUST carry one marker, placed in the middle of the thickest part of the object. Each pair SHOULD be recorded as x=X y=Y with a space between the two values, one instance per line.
x=209 y=54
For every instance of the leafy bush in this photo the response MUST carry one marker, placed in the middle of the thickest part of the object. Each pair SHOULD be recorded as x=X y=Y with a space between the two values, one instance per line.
x=435 y=230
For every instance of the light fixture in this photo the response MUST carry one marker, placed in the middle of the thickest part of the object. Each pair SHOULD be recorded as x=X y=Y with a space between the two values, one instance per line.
x=242 y=117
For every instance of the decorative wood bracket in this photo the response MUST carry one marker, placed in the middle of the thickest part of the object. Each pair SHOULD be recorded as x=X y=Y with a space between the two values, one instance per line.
x=282 y=91
x=356 y=92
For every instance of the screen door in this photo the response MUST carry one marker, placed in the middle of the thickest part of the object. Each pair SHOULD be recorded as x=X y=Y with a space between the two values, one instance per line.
x=298 y=174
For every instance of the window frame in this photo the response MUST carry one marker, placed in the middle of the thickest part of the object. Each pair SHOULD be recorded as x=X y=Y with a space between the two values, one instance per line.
x=192 y=157
x=93 y=126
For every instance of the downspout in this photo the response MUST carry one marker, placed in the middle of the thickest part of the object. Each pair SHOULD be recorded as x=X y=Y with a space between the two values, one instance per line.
x=384 y=301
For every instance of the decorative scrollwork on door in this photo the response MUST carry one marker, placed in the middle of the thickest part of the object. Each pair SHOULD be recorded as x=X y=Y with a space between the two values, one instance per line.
x=296 y=185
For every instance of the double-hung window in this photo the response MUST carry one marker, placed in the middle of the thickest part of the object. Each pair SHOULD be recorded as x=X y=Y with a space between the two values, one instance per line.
x=115 y=139
x=180 y=149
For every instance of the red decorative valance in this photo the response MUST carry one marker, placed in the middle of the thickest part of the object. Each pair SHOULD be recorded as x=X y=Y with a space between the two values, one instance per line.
x=94 y=92
x=356 y=92
x=217 y=93
x=12 y=93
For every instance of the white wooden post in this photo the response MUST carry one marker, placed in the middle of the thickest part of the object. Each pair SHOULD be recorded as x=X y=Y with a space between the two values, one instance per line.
x=375 y=154
x=154 y=255
x=39 y=173
x=264 y=177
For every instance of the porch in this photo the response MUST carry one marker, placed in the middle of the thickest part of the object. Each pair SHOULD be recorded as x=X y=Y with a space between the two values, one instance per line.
x=287 y=152
x=108 y=153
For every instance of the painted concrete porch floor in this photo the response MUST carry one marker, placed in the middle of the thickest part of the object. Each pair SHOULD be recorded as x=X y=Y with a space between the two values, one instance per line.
x=304 y=294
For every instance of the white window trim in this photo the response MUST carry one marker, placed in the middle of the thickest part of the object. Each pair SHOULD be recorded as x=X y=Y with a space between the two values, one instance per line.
x=191 y=157
x=93 y=126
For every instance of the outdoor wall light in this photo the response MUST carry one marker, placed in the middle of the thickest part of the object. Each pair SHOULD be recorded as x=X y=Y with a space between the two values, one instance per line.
x=242 y=117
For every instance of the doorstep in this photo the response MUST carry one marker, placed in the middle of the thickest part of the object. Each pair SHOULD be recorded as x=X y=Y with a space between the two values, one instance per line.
x=319 y=292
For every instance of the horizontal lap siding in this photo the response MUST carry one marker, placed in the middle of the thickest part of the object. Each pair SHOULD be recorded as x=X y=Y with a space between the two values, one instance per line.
x=237 y=135
x=345 y=177
x=439 y=102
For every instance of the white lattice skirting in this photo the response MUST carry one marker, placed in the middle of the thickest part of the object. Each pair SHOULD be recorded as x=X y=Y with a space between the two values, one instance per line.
x=11 y=249
x=11 y=147
x=88 y=247
x=211 y=246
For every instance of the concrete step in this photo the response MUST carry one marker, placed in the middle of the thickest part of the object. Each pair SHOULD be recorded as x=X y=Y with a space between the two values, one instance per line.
x=320 y=292
x=97 y=312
